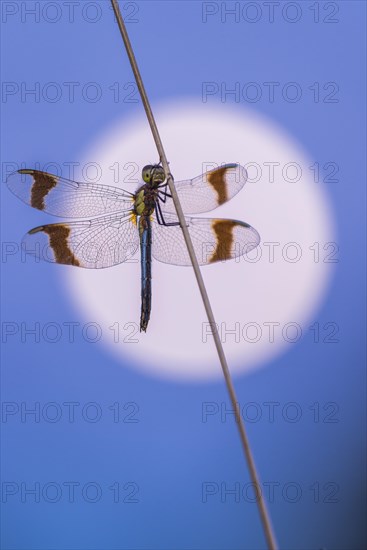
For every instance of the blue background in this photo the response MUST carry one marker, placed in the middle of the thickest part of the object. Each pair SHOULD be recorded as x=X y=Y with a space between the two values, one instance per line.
x=170 y=452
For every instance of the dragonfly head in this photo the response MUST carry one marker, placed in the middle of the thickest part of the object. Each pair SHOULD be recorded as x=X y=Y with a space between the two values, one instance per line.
x=153 y=173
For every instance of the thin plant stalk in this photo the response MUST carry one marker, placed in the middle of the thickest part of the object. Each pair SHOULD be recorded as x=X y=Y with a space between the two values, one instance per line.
x=264 y=514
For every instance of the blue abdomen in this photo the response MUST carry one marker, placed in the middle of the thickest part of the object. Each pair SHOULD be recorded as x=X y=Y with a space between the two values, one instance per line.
x=145 y=230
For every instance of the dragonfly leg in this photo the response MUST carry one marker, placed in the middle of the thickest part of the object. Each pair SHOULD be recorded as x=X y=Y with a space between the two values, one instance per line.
x=163 y=195
x=160 y=217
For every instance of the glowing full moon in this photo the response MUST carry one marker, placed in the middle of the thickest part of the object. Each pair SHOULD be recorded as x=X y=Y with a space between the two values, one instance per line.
x=263 y=303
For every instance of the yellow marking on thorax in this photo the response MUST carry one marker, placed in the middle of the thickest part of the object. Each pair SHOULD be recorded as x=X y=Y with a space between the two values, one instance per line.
x=139 y=203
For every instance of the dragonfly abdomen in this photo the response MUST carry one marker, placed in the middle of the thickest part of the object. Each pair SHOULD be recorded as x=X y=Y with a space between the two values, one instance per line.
x=145 y=230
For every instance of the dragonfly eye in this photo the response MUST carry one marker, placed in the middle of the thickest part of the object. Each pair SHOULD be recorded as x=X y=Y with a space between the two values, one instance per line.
x=147 y=173
x=153 y=174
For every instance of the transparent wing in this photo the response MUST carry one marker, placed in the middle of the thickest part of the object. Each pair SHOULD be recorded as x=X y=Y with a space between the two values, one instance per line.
x=62 y=197
x=206 y=192
x=214 y=240
x=95 y=244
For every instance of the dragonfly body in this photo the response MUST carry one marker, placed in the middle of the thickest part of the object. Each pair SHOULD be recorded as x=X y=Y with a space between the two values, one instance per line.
x=115 y=223
x=145 y=202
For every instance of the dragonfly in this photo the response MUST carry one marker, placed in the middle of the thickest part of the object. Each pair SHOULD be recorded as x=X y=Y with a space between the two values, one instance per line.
x=112 y=224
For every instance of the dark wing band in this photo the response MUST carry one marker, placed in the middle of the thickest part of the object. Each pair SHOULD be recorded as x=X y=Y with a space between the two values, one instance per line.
x=61 y=197
x=214 y=240
x=95 y=244
x=208 y=191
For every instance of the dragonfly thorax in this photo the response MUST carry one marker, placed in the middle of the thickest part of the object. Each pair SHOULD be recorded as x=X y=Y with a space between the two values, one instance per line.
x=145 y=200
